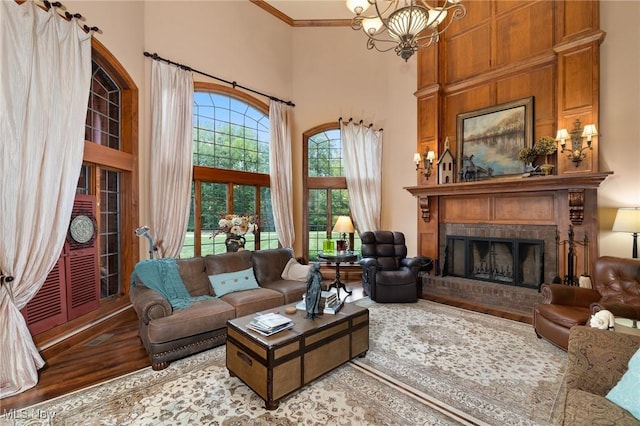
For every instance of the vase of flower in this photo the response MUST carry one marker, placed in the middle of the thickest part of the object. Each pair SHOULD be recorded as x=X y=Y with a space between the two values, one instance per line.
x=235 y=227
x=234 y=243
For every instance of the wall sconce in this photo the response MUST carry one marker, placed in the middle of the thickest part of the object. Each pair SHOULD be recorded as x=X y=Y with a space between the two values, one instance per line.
x=628 y=220
x=577 y=133
x=427 y=159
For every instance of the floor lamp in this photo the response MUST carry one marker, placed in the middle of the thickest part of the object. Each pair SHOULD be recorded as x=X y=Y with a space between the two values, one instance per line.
x=628 y=220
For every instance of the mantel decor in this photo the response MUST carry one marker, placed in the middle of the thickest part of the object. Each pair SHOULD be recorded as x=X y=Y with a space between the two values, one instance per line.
x=490 y=139
x=575 y=185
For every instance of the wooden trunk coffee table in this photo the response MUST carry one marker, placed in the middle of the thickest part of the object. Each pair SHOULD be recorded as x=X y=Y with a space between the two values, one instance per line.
x=280 y=364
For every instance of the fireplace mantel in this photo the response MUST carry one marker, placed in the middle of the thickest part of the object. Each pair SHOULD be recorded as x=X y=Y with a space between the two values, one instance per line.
x=575 y=184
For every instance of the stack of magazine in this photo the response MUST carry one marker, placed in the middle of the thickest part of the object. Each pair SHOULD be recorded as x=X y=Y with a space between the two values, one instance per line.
x=269 y=323
x=329 y=303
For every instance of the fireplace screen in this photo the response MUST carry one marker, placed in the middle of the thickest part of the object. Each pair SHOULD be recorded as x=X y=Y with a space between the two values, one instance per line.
x=504 y=261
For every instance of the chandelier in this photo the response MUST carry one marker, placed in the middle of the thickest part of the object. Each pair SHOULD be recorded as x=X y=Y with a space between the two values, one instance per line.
x=404 y=25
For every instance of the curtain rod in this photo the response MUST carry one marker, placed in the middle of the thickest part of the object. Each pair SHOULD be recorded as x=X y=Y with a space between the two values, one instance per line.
x=48 y=5
x=351 y=119
x=155 y=56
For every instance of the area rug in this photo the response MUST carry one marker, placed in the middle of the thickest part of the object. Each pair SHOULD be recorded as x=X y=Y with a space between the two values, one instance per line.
x=495 y=370
x=199 y=391
x=428 y=364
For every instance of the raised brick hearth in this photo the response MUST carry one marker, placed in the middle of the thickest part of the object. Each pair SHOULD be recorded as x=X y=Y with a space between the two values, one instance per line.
x=505 y=297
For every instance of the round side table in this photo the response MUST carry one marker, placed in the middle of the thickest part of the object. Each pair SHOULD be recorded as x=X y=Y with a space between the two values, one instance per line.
x=338 y=258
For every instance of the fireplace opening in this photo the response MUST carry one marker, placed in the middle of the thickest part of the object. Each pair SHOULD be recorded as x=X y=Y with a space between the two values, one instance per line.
x=518 y=262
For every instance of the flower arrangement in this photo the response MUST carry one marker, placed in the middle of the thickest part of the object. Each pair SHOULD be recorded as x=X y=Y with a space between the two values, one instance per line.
x=527 y=155
x=546 y=145
x=233 y=224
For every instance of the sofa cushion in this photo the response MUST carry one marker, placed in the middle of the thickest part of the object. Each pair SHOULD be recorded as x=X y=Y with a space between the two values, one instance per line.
x=194 y=276
x=200 y=317
x=251 y=301
x=227 y=262
x=292 y=290
x=584 y=408
x=269 y=264
x=626 y=393
x=233 y=281
x=294 y=271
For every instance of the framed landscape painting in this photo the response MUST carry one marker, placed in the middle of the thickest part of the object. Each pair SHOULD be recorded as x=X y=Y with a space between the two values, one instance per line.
x=489 y=140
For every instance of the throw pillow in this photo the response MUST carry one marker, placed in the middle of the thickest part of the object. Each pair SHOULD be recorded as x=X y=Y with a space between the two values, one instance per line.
x=294 y=271
x=626 y=393
x=233 y=281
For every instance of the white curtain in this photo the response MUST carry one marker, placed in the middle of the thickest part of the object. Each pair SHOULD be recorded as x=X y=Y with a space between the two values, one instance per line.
x=171 y=155
x=280 y=172
x=45 y=75
x=362 y=151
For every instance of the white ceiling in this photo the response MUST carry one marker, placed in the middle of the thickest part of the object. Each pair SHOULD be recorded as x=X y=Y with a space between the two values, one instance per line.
x=312 y=9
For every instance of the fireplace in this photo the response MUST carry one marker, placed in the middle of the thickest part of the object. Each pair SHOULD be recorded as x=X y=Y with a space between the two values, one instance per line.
x=510 y=254
x=509 y=261
x=531 y=209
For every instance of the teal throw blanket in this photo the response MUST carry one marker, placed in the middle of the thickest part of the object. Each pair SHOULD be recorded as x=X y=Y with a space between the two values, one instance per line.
x=162 y=276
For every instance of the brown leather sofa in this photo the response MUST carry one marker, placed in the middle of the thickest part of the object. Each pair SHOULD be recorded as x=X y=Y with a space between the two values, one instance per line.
x=169 y=334
x=616 y=288
x=596 y=360
x=388 y=275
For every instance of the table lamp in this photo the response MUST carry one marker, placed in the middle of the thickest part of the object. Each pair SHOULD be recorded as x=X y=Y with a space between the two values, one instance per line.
x=344 y=226
x=628 y=220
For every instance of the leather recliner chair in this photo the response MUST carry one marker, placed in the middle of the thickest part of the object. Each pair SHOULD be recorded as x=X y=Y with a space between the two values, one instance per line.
x=616 y=288
x=388 y=276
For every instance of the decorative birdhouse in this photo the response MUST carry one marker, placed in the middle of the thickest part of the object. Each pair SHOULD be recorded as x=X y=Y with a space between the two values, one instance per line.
x=446 y=165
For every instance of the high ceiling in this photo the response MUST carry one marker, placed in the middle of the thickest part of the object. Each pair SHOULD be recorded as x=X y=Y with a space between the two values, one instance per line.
x=303 y=10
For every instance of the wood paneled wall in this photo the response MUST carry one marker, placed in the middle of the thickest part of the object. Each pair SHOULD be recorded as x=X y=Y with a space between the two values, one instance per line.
x=504 y=51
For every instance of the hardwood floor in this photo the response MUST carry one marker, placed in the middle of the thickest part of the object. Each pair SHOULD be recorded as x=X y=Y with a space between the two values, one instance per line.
x=117 y=350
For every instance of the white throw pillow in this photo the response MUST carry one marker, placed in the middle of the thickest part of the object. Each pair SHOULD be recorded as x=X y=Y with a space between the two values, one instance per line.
x=294 y=271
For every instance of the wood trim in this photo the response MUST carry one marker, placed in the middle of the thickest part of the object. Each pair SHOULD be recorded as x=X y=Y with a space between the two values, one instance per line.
x=107 y=157
x=210 y=174
x=322 y=23
x=497 y=74
x=510 y=185
x=273 y=11
x=300 y=22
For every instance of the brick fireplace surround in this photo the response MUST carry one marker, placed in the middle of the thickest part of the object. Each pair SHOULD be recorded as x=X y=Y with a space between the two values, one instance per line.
x=507 y=208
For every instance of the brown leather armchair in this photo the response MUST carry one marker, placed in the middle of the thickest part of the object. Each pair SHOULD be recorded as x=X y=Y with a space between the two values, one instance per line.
x=616 y=288
x=388 y=275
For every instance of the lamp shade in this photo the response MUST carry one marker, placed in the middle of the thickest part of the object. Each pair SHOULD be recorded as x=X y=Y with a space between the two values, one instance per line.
x=627 y=220
x=562 y=135
x=408 y=21
x=589 y=131
x=344 y=225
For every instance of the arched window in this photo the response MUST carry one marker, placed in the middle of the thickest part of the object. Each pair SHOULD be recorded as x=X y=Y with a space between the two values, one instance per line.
x=109 y=169
x=325 y=188
x=231 y=168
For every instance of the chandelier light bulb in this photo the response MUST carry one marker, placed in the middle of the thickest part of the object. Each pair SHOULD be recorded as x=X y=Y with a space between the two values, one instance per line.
x=437 y=15
x=371 y=25
x=358 y=6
